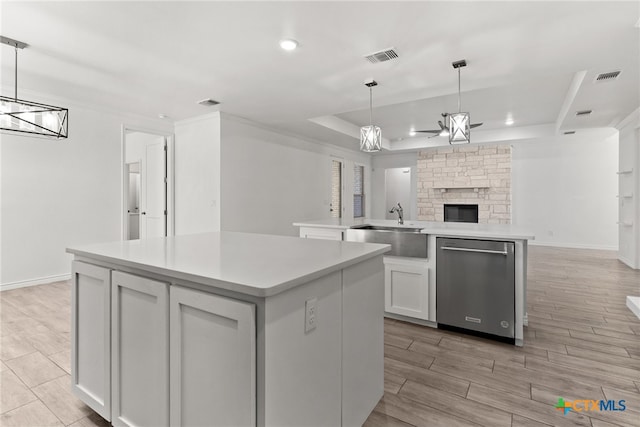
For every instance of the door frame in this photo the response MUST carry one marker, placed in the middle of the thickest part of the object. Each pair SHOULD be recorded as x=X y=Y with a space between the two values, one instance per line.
x=169 y=169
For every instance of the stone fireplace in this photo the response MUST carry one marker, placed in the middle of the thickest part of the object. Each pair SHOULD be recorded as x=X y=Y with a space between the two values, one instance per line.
x=466 y=175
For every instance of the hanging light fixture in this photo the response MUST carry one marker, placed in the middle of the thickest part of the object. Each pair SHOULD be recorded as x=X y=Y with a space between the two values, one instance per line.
x=370 y=136
x=17 y=115
x=459 y=123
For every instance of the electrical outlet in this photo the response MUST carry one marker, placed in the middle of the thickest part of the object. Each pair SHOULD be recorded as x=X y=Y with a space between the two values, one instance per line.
x=310 y=312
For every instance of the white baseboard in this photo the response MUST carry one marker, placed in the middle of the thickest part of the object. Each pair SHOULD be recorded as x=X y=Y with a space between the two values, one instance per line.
x=634 y=305
x=627 y=262
x=573 y=245
x=34 y=282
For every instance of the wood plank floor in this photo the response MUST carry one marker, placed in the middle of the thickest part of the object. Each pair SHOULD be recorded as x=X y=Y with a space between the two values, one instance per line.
x=582 y=343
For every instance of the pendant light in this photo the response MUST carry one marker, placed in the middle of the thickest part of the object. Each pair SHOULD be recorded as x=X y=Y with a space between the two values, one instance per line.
x=459 y=123
x=29 y=117
x=370 y=136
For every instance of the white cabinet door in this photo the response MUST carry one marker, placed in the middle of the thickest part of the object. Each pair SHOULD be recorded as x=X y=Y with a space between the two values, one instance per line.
x=140 y=351
x=321 y=233
x=91 y=336
x=213 y=360
x=406 y=288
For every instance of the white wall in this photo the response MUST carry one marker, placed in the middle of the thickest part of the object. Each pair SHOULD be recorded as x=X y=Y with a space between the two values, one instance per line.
x=564 y=189
x=380 y=163
x=629 y=183
x=270 y=180
x=58 y=193
x=197 y=174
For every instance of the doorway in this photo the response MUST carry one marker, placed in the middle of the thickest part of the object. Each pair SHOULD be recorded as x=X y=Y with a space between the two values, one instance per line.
x=145 y=190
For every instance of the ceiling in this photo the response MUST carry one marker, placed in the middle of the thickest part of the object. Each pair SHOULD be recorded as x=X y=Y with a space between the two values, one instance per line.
x=535 y=61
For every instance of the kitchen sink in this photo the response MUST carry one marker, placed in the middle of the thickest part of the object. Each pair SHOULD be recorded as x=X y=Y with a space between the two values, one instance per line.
x=404 y=241
x=387 y=228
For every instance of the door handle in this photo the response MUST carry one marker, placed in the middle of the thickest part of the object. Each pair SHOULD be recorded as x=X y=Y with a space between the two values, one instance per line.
x=484 y=251
x=143 y=213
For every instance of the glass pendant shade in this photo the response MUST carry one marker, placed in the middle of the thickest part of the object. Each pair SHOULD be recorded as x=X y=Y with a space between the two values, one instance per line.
x=33 y=118
x=370 y=138
x=459 y=128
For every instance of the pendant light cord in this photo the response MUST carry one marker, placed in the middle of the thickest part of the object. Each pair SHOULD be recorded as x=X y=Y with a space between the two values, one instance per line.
x=459 y=107
x=370 y=106
x=16 y=74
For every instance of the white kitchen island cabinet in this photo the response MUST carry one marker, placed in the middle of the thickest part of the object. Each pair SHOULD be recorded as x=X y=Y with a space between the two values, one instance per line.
x=407 y=288
x=140 y=351
x=91 y=339
x=223 y=329
x=213 y=360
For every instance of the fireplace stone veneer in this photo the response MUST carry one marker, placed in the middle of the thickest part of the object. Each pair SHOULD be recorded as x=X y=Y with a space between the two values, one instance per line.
x=472 y=174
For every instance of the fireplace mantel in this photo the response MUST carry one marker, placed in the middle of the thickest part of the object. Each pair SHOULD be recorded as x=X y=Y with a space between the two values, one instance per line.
x=459 y=187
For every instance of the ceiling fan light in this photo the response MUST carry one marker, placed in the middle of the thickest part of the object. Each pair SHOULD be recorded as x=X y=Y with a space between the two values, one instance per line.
x=370 y=138
x=459 y=128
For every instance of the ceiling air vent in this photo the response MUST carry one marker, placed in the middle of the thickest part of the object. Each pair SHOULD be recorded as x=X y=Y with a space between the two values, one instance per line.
x=605 y=77
x=382 y=56
x=570 y=132
x=583 y=112
x=208 y=102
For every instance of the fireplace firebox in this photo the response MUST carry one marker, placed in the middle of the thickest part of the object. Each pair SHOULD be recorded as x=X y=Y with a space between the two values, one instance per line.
x=460 y=213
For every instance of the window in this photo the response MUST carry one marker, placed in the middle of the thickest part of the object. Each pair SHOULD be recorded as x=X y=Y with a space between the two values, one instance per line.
x=358 y=191
x=336 y=189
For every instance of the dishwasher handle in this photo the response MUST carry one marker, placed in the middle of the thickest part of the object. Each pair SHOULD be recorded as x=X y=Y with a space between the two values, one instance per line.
x=484 y=251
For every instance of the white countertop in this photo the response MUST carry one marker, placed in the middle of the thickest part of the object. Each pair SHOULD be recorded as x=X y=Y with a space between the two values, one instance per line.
x=457 y=229
x=254 y=264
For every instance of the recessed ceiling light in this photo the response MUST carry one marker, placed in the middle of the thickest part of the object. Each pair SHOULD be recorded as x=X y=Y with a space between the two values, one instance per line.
x=412 y=132
x=509 y=121
x=288 y=44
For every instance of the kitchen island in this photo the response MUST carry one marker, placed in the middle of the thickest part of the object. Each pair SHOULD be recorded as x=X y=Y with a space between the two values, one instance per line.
x=411 y=283
x=228 y=329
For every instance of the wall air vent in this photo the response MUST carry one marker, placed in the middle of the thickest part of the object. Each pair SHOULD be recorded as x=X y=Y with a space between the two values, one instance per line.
x=605 y=77
x=382 y=56
x=570 y=132
x=583 y=112
x=208 y=102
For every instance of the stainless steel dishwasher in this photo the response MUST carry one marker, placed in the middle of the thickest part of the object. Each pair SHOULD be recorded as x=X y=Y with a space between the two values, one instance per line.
x=475 y=286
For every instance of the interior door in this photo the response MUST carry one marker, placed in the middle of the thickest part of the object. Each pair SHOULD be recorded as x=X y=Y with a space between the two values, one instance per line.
x=154 y=190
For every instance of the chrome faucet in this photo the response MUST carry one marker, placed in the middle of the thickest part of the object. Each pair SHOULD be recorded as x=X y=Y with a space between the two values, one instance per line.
x=399 y=210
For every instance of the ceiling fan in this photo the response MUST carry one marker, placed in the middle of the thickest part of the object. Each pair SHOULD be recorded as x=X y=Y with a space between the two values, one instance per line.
x=459 y=121
x=444 y=129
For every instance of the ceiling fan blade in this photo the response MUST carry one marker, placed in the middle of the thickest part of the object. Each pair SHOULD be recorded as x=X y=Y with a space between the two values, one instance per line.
x=433 y=136
x=475 y=125
x=429 y=131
